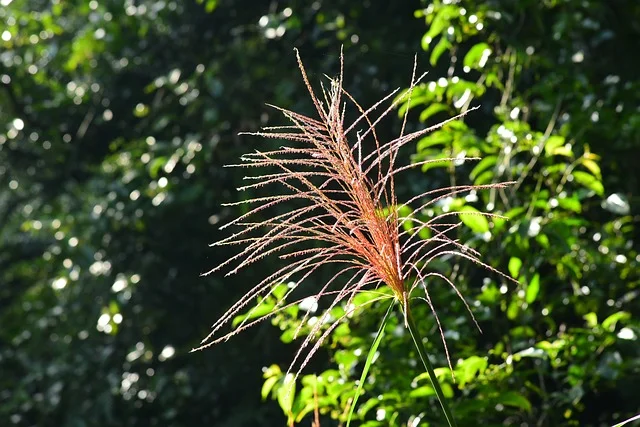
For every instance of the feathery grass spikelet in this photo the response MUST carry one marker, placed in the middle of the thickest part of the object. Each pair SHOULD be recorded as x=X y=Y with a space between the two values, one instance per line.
x=340 y=186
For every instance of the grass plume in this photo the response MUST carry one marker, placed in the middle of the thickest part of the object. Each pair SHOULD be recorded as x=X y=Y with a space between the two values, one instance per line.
x=337 y=180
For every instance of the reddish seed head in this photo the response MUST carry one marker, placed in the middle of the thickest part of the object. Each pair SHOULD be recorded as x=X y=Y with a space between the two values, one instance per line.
x=338 y=185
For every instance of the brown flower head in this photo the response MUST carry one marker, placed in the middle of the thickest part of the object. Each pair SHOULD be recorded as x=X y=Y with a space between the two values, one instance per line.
x=343 y=213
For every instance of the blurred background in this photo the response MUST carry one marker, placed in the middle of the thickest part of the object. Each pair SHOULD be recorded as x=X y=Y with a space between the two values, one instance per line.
x=117 y=116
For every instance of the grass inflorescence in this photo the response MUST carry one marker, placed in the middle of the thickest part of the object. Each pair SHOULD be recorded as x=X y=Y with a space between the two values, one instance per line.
x=337 y=182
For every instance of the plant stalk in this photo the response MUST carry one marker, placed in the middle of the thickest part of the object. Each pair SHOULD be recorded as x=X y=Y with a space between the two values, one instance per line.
x=417 y=340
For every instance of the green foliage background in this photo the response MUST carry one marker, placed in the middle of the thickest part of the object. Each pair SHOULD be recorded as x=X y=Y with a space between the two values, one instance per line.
x=115 y=121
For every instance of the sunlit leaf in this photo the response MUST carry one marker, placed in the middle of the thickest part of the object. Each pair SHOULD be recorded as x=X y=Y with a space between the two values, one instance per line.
x=267 y=386
x=591 y=319
x=515 y=264
x=415 y=100
x=469 y=368
x=511 y=398
x=553 y=143
x=440 y=22
x=473 y=218
x=571 y=204
x=610 y=322
x=532 y=289
x=262 y=309
x=443 y=163
x=589 y=181
x=511 y=214
x=513 y=310
x=473 y=57
x=286 y=394
x=593 y=167
x=438 y=50
x=485 y=163
x=431 y=110
x=436 y=138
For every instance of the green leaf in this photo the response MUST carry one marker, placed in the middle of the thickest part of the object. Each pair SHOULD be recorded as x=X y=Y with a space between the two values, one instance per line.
x=532 y=289
x=591 y=319
x=543 y=240
x=610 y=322
x=409 y=104
x=211 y=5
x=442 y=390
x=514 y=267
x=288 y=336
x=593 y=167
x=286 y=394
x=447 y=390
x=441 y=160
x=268 y=386
x=468 y=369
x=513 y=309
x=483 y=165
x=436 y=138
x=554 y=170
x=565 y=150
x=493 y=80
x=498 y=223
x=553 y=142
x=155 y=166
x=262 y=309
x=437 y=51
x=279 y=291
x=425 y=41
x=474 y=219
x=272 y=375
x=589 y=181
x=473 y=57
x=364 y=297
x=423 y=391
x=511 y=398
x=439 y=23
x=570 y=204
x=555 y=146
x=490 y=294
x=431 y=110
x=484 y=178
x=552 y=347
x=370 y=356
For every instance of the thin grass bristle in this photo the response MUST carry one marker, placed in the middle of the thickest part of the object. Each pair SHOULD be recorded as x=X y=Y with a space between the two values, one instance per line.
x=343 y=213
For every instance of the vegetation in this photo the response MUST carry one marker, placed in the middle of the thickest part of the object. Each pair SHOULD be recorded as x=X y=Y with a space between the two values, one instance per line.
x=116 y=120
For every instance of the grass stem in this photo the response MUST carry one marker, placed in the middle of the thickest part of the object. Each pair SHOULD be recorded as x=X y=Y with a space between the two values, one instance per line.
x=417 y=339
